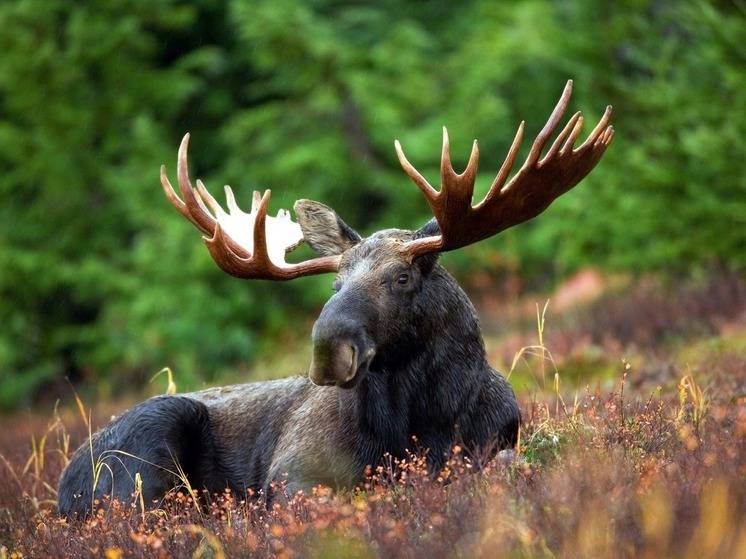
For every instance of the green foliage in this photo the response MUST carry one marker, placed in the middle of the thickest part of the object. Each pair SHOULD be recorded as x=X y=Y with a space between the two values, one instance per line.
x=100 y=279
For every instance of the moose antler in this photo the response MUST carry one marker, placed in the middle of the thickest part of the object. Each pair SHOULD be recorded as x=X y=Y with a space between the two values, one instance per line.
x=253 y=245
x=533 y=188
x=246 y=245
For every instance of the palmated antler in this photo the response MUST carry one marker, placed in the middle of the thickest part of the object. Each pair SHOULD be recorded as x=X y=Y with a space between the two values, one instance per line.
x=536 y=185
x=246 y=245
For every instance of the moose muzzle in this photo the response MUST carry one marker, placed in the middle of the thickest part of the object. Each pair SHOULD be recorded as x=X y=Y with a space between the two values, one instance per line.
x=333 y=363
x=342 y=349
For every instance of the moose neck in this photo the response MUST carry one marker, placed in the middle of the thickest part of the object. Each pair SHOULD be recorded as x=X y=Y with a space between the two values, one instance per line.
x=423 y=382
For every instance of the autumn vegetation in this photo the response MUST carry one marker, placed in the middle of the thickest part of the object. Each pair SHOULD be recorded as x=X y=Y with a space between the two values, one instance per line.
x=645 y=457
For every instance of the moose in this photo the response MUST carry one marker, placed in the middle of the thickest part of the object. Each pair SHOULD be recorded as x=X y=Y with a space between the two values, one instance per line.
x=397 y=349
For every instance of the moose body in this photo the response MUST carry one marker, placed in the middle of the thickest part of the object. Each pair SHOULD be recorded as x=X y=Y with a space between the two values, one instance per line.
x=398 y=357
x=431 y=382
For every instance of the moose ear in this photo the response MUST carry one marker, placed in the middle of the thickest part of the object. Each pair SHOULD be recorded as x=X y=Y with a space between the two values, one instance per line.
x=323 y=229
x=430 y=229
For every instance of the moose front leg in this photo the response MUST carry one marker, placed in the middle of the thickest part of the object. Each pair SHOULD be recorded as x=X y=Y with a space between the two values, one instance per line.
x=313 y=451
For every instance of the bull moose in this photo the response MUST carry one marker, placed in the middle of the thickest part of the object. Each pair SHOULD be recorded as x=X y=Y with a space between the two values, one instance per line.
x=397 y=350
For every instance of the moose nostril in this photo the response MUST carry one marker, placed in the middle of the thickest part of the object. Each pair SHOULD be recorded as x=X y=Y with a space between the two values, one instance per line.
x=352 y=366
x=344 y=362
x=333 y=362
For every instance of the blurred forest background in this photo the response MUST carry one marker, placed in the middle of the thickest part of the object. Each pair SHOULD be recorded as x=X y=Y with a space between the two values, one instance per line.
x=102 y=282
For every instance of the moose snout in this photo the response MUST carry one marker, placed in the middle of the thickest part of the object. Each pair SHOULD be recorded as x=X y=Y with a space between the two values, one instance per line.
x=342 y=346
x=333 y=362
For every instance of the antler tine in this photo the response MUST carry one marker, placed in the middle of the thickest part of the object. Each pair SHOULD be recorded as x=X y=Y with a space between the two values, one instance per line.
x=230 y=200
x=201 y=202
x=201 y=218
x=570 y=142
x=447 y=171
x=507 y=165
x=256 y=199
x=176 y=202
x=446 y=168
x=600 y=128
x=457 y=188
x=260 y=230
x=608 y=135
x=562 y=137
x=207 y=198
x=552 y=122
x=469 y=175
x=430 y=193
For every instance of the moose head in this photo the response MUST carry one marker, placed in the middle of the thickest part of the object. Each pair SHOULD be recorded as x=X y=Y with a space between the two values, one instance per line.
x=386 y=282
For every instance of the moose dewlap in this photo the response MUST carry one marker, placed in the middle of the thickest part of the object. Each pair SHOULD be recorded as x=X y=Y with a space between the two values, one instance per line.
x=397 y=350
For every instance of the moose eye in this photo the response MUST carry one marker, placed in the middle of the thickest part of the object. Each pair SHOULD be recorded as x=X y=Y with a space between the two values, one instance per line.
x=402 y=279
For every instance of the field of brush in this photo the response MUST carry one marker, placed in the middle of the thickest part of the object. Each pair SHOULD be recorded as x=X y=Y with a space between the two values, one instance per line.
x=633 y=445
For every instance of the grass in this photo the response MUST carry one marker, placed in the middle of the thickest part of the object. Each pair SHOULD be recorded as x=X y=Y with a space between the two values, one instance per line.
x=648 y=461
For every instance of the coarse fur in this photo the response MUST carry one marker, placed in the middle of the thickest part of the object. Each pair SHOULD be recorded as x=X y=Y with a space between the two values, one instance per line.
x=406 y=333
